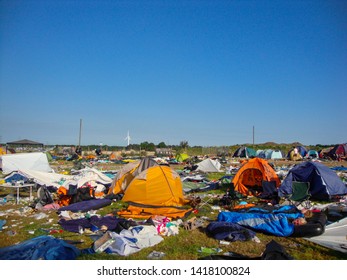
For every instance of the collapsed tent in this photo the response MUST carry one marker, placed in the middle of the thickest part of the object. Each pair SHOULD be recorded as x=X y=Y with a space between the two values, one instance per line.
x=324 y=182
x=48 y=179
x=250 y=176
x=209 y=165
x=40 y=248
x=337 y=152
x=334 y=236
x=151 y=189
x=29 y=161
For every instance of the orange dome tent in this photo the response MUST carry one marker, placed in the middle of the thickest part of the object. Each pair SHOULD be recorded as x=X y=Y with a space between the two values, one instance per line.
x=248 y=179
x=150 y=189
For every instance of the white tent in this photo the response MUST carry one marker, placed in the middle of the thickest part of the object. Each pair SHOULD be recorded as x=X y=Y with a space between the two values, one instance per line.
x=209 y=165
x=334 y=236
x=28 y=161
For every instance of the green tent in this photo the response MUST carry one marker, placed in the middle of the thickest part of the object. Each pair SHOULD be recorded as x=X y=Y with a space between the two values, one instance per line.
x=181 y=157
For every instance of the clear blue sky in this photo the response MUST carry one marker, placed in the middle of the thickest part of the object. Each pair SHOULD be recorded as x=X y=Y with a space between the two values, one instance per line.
x=201 y=71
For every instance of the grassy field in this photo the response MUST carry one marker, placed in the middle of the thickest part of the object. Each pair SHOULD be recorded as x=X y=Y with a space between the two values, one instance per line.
x=23 y=223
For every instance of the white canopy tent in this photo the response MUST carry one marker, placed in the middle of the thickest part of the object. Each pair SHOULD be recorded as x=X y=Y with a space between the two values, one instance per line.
x=28 y=161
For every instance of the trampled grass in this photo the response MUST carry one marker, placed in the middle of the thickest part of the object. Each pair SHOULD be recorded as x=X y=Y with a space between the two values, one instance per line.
x=23 y=223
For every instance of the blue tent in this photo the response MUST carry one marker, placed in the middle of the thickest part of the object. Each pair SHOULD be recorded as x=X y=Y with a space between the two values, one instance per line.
x=324 y=182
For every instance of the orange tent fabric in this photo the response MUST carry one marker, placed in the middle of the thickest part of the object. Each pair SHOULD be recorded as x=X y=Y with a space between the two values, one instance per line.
x=249 y=177
x=155 y=191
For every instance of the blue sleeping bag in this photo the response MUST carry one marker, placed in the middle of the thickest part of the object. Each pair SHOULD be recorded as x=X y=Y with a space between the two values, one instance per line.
x=276 y=222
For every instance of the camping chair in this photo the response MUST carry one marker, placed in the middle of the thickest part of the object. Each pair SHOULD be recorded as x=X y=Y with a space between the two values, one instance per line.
x=300 y=194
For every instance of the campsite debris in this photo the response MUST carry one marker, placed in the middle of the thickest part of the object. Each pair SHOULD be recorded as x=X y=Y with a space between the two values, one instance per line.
x=11 y=233
x=80 y=230
x=103 y=243
x=2 y=223
x=40 y=216
x=193 y=223
x=3 y=201
x=256 y=239
x=155 y=255
x=207 y=250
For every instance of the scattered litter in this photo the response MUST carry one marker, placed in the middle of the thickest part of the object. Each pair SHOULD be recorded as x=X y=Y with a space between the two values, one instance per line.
x=3 y=200
x=11 y=233
x=80 y=230
x=222 y=242
x=209 y=250
x=31 y=231
x=40 y=216
x=256 y=239
x=56 y=231
x=2 y=223
x=155 y=255
x=103 y=243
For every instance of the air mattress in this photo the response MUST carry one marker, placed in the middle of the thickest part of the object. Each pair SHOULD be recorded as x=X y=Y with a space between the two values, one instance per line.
x=315 y=226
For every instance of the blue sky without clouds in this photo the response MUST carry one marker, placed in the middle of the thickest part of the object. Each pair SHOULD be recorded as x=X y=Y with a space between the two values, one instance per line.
x=202 y=71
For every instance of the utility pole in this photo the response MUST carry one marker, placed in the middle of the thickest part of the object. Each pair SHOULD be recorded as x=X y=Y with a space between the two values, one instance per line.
x=79 y=139
x=253 y=135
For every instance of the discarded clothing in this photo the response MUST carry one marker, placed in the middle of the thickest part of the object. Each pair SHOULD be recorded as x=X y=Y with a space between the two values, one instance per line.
x=112 y=223
x=133 y=240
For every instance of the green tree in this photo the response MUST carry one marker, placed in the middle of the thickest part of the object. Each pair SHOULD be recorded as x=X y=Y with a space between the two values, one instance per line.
x=161 y=145
x=184 y=145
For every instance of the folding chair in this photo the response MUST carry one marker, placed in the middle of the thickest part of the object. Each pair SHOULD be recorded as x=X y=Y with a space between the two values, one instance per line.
x=300 y=194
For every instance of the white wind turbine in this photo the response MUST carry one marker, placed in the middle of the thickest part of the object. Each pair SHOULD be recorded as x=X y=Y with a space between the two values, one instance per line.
x=128 y=138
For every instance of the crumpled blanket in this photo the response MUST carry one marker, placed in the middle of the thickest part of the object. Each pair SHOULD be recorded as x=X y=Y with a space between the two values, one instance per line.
x=40 y=248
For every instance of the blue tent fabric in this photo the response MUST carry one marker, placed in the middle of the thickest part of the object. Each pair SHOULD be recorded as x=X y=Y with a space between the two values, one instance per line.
x=276 y=222
x=324 y=182
x=40 y=248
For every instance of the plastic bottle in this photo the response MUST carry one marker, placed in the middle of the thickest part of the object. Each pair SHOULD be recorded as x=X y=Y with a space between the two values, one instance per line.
x=3 y=200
